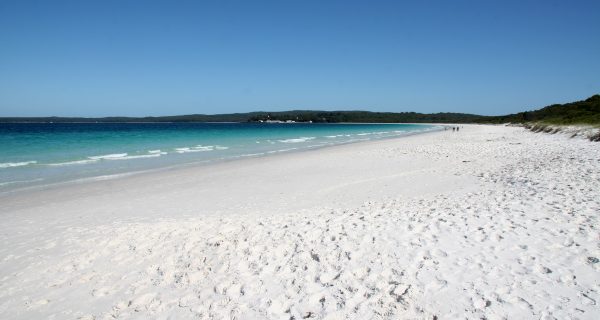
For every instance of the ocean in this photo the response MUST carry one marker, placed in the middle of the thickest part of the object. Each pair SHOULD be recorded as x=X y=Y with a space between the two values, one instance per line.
x=40 y=154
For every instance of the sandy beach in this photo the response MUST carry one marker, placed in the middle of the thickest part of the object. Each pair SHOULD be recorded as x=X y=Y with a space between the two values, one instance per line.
x=490 y=222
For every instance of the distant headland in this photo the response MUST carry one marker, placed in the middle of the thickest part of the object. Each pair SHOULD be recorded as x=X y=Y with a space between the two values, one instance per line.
x=579 y=112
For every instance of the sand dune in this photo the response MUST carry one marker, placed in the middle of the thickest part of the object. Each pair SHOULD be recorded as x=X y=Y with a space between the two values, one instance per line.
x=491 y=222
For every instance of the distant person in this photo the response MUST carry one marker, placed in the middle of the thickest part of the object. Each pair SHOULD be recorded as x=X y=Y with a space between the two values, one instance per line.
x=453 y=129
x=457 y=128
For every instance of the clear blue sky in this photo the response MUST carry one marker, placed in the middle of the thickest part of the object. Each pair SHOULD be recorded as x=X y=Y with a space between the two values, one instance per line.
x=135 y=58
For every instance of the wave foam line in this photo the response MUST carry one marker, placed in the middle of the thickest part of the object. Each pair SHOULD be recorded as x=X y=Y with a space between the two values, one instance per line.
x=297 y=140
x=141 y=156
x=16 y=164
x=59 y=164
x=108 y=156
x=194 y=149
x=282 y=150
x=251 y=154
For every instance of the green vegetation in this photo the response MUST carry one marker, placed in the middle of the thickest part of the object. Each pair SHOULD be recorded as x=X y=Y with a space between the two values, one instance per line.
x=580 y=112
x=364 y=116
x=298 y=115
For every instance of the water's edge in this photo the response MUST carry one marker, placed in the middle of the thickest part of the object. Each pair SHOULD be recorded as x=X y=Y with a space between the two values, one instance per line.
x=17 y=186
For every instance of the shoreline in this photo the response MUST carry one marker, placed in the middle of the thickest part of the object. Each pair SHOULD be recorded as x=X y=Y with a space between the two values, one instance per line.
x=207 y=162
x=139 y=178
x=493 y=221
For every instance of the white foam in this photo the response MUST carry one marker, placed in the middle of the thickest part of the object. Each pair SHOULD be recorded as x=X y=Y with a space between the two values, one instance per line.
x=297 y=140
x=221 y=148
x=141 y=156
x=194 y=149
x=58 y=164
x=107 y=177
x=252 y=154
x=16 y=164
x=183 y=150
x=282 y=150
x=108 y=156
x=116 y=156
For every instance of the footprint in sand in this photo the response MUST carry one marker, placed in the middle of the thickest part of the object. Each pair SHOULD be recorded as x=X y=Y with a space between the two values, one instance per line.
x=101 y=292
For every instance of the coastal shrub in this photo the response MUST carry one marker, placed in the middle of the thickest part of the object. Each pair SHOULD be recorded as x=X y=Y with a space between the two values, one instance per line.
x=579 y=112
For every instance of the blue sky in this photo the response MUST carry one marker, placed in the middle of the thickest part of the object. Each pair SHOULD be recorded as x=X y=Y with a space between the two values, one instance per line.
x=135 y=58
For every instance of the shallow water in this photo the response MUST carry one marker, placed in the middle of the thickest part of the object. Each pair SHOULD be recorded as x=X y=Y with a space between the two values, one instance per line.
x=33 y=154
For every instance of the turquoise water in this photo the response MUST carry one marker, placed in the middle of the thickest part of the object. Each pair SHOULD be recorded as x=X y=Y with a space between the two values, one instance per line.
x=47 y=153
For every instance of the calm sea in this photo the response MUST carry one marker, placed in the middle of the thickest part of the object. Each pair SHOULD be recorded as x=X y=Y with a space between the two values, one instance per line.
x=40 y=154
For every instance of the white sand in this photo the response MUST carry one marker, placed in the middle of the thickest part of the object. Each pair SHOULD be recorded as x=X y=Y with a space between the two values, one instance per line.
x=493 y=222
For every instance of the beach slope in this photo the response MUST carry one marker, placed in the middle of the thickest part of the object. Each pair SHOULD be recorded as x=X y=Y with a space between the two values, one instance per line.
x=489 y=222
